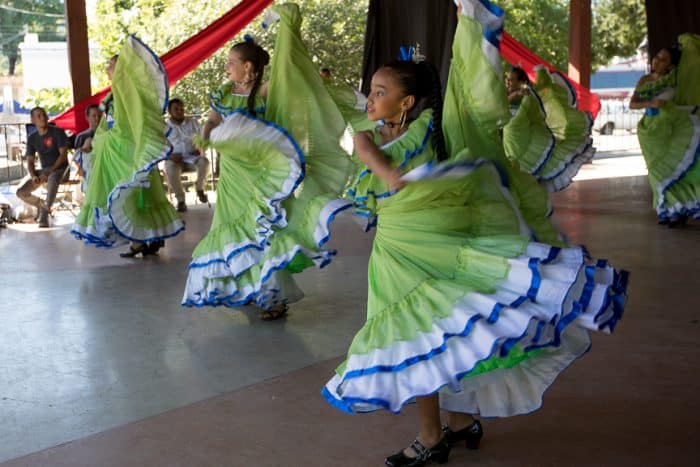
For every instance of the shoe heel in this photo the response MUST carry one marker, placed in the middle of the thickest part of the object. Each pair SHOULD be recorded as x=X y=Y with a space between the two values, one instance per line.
x=473 y=444
x=441 y=458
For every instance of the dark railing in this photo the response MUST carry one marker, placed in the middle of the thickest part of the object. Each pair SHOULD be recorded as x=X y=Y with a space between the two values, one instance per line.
x=13 y=140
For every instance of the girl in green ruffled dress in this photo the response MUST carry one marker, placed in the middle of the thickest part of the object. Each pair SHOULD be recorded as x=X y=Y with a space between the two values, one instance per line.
x=282 y=173
x=465 y=311
x=548 y=136
x=526 y=138
x=125 y=199
x=669 y=132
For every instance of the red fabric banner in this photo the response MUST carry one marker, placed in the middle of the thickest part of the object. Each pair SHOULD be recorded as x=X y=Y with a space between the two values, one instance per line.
x=517 y=54
x=180 y=60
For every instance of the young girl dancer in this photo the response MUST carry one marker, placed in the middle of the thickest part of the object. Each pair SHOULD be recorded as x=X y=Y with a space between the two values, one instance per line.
x=282 y=173
x=125 y=199
x=465 y=312
x=669 y=132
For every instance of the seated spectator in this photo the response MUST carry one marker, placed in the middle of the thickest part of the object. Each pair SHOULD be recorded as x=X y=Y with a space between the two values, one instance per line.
x=52 y=145
x=83 y=143
x=183 y=129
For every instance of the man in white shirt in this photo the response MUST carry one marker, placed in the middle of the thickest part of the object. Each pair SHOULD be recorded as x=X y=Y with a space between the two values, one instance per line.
x=183 y=129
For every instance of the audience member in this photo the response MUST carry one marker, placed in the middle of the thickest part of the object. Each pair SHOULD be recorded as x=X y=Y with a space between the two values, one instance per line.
x=183 y=129
x=51 y=144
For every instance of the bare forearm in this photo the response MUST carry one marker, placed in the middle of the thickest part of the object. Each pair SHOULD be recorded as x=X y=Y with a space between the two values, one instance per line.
x=212 y=122
x=30 y=166
x=61 y=161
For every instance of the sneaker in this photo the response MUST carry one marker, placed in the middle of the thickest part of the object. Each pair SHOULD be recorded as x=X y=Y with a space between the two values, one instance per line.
x=181 y=206
x=43 y=218
x=202 y=196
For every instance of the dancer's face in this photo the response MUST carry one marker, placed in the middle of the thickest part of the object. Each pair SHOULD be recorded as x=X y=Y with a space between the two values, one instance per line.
x=237 y=69
x=93 y=117
x=110 y=68
x=387 y=99
x=177 y=112
x=661 y=63
x=512 y=82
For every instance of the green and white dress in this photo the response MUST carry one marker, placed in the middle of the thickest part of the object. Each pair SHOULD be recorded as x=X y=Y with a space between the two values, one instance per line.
x=125 y=199
x=281 y=177
x=526 y=138
x=461 y=301
x=571 y=128
x=670 y=136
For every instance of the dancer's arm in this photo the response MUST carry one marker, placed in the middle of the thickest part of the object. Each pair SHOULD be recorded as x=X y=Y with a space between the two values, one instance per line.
x=213 y=120
x=374 y=159
x=636 y=103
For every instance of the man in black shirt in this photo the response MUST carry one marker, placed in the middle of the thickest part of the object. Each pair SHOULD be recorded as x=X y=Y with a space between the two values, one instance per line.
x=52 y=145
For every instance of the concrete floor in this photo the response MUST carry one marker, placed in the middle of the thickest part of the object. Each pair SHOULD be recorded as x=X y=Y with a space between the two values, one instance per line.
x=101 y=366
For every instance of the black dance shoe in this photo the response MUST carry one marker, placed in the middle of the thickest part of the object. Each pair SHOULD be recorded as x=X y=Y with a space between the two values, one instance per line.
x=135 y=250
x=438 y=453
x=678 y=221
x=153 y=247
x=471 y=434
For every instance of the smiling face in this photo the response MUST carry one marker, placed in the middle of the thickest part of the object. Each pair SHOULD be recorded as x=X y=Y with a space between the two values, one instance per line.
x=237 y=69
x=387 y=100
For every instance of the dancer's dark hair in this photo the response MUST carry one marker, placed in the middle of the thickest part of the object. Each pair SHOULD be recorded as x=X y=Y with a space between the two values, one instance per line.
x=422 y=80
x=675 y=52
x=520 y=74
x=251 y=52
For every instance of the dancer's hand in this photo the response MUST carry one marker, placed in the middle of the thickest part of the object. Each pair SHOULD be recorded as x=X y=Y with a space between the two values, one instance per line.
x=394 y=181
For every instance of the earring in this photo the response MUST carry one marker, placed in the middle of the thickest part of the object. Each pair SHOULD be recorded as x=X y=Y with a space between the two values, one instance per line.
x=402 y=122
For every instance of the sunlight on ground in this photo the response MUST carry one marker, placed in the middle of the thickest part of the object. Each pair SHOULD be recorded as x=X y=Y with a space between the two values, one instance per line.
x=630 y=166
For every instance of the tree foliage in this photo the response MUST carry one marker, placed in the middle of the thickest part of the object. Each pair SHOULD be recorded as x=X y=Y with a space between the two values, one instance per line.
x=163 y=24
x=44 y=17
x=542 y=26
x=619 y=27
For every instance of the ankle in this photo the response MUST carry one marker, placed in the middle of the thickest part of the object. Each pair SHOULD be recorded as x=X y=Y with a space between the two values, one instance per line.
x=430 y=438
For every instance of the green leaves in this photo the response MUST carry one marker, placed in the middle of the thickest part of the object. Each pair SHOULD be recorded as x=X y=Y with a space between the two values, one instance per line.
x=333 y=30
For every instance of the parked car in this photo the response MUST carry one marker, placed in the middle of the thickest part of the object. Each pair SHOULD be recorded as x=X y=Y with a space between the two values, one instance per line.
x=615 y=114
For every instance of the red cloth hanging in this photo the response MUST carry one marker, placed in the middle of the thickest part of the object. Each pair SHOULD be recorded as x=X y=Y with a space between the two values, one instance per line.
x=517 y=54
x=180 y=60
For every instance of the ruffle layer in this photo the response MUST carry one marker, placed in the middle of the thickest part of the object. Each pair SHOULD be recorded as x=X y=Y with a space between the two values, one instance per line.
x=670 y=143
x=260 y=276
x=547 y=290
x=489 y=304
x=526 y=138
x=137 y=209
x=571 y=129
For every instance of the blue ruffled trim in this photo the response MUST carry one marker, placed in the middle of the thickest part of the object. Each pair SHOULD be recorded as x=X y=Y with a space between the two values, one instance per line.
x=328 y=221
x=493 y=35
x=616 y=298
x=572 y=160
x=215 y=98
x=552 y=142
x=262 y=300
x=161 y=68
x=573 y=98
x=139 y=178
x=691 y=209
x=274 y=204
